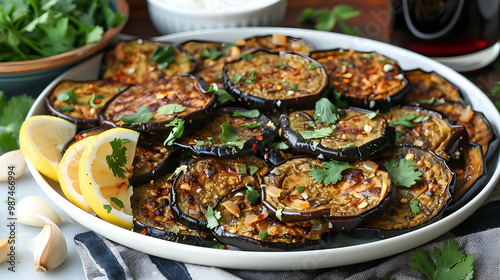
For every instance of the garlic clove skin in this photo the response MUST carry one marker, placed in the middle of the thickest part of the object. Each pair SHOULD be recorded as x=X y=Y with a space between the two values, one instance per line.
x=13 y=158
x=30 y=206
x=49 y=247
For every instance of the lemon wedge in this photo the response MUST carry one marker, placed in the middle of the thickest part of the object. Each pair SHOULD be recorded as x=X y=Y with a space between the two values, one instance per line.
x=42 y=139
x=68 y=174
x=104 y=170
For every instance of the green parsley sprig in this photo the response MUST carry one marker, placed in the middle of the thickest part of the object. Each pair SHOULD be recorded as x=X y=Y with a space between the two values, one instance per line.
x=118 y=157
x=332 y=172
x=403 y=172
x=326 y=20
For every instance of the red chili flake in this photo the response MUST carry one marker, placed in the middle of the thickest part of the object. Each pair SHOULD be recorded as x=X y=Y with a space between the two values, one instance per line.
x=336 y=83
x=130 y=62
x=345 y=81
x=225 y=248
x=357 y=203
x=364 y=134
x=297 y=73
x=307 y=225
x=151 y=215
x=254 y=148
x=329 y=230
x=347 y=198
x=259 y=136
x=360 y=131
x=79 y=137
x=144 y=231
x=266 y=156
x=164 y=192
x=356 y=118
x=261 y=217
x=168 y=219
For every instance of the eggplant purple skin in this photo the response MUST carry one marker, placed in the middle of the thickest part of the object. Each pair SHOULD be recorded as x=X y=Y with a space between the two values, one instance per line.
x=196 y=118
x=208 y=241
x=275 y=106
x=268 y=135
x=366 y=151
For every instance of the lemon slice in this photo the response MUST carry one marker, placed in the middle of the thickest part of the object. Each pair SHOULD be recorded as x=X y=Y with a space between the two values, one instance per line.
x=42 y=139
x=105 y=186
x=68 y=174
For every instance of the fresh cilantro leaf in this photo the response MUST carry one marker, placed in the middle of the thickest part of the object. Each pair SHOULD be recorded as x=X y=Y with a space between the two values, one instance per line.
x=211 y=53
x=66 y=108
x=228 y=133
x=13 y=111
x=294 y=87
x=281 y=146
x=399 y=135
x=247 y=56
x=325 y=112
x=253 y=169
x=213 y=217
x=143 y=115
x=449 y=263
x=117 y=201
x=170 y=109
x=108 y=208
x=332 y=172
x=163 y=56
x=415 y=206
x=372 y=115
x=176 y=229
x=213 y=88
x=176 y=132
x=348 y=145
x=210 y=140
x=250 y=114
x=218 y=246
x=252 y=195
x=338 y=99
x=312 y=66
x=243 y=169
x=118 y=158
x=311 y=124
x=279 y=213
x=251 y=125
x=316 y=133
x=299 y=189
x=7 y=142
x=405 y=121
x=92 y=100
x=403 y=173
x=239 y=144
x=307 y=14
x=69 y=96
x=326 y=20
x=237 y=78
x=263 y=234
x=224 y=96
x=426 y=101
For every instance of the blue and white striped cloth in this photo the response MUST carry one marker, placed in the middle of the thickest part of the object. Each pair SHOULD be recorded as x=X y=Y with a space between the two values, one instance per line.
x=104 y=259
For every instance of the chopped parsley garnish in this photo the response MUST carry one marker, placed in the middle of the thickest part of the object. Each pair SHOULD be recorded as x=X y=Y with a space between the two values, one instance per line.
x=403 y=173
x=92 y=100
x=243 y=169
x=252 y=78
x=211 y=53
x=69 y=96
x=228 y=133
x=338 y=100
x=279 y=213
x=294 y=87
x=237 y=78
x=143 y=115
x=66 y=108
x=311 y=124
x=163 y=56
x=368 y=56
x=118 y=157
x=252 y=195
x=218 y=246
x=263 y=234
x=348 y=145
x=426 y=101
x=224 y=96
x=108 y=208
x=253 y=169
x=117 y=201
x=326 y=19
x=213 y=217
x=332 y=172
x=372 y=115
x=408 y=120
x=176 y=132
x=251 y=125
x=325 y=112
x=281 y=146
x=316 y=133
x=247 y=56
x=449 y=263
x=170 y=109
x=299 y=189
x=415 y=206
x=250 y=114
x=399 y=135
x=312 y=66
x=176 y=229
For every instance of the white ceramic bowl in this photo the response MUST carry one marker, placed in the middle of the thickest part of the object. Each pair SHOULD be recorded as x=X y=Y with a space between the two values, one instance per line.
x=171 y=16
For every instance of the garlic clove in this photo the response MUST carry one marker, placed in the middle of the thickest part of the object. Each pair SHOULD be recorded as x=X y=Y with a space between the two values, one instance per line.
x=28 y=207
x=13 y=162
x=4 y=249
x=49 y=247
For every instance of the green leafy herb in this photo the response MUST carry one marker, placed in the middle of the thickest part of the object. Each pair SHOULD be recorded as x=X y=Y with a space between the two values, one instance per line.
x=372 y=115
x=399 y=135
x=415 y=206
x=327 y=19
x=176 y=229
x=279 y=213
x=294 y=87
x=36 y=29
x=247 y=56
x=237 y=78
x=218 y=246
x=163 y=56
x=253 y=169
x=228 y=133
x=118 y=157
x=449 y=263
x=251 y=125
x=316 y=133
x=143 y=115
x=338 y=100
x=332 y=172
x=224 y=96
x=176 y=132
x=170 y=109
x=243 y=169
x=368 y=56
x=403 y=172
x=263 y=234
x=92 y=100
x=348 y=145
x=252 y=78
x=281 y=146
x=69 y=96
x=66 y=108
x=252 y=195
x=117 y=201
x=250 y=114
x=312 y=66
x=213 y=217
x=311 y=124
x=325 y=112
x=108 y=208
x=211 y=53
x=426 y=101
x=495 y=90
x=299 y=189
x=211 y=140
x=13 y=111
x=239 y=144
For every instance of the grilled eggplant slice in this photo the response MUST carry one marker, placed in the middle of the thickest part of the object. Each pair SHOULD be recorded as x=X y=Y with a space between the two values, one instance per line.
x=275 y=81
x=176 y=97
x=478 y=127
x=365 y=79
x=138 y=61
x=248 y=226
x=153 y=217
x=205 y=180
x=427 y=85
x=428 y=129
x=470 y=170
x=292 y=190
x=79 y=101
x=275 y=43
x=358 y=134
x=420 y=204
x=233 y=132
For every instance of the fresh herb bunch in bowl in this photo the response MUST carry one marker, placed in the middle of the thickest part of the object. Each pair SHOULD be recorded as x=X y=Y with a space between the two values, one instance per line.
x=41 y=39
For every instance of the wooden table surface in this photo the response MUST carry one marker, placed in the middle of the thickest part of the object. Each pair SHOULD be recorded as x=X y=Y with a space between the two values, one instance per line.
x=373 y=23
